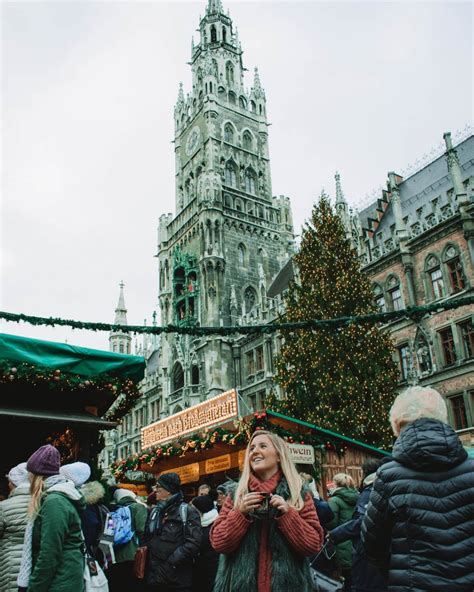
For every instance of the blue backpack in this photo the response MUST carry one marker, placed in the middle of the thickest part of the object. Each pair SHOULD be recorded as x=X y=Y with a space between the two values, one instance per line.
x=120 y=522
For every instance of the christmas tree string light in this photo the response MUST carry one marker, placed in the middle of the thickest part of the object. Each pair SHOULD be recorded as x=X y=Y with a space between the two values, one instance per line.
x=339 y=377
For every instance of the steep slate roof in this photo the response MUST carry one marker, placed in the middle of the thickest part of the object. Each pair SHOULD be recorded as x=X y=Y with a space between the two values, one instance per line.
x=418 y=191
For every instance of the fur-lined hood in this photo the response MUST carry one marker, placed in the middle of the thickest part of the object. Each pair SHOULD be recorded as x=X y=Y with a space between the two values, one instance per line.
x=93 y=492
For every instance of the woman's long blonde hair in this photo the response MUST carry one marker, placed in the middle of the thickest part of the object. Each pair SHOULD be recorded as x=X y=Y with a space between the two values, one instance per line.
x=287 y=468
x=36 y=491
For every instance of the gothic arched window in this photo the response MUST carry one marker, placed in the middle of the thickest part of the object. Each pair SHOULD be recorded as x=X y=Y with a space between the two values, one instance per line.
x=230 y=174
x=177 y=377
x=241 y=254
x=242 y=103
x=250 y=181
x=224 y=35
x=379 y=298
x=250 y=298
x=229 y=133
x=229 y=73
x=232 y=98
x=452 y=261
x=247 y=141
x=394 y=290
x=213 y=34
x=435 y=276
x=195 y=374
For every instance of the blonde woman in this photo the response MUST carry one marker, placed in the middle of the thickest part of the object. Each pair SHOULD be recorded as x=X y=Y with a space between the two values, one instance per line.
x=342 y=502
x=53 y=559
x=268 y=525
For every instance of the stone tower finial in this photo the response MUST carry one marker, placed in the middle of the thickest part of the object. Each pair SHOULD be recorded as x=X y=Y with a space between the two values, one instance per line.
x=214 y=7
x=180 y=94
x=121 y=311
x=119 y=341
x=454 y=169
x=339 y=193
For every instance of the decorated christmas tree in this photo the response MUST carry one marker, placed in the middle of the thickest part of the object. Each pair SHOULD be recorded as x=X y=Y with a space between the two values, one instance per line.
x=343 y=379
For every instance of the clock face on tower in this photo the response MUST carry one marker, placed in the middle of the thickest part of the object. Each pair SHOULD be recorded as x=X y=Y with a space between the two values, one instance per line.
x=193 y=140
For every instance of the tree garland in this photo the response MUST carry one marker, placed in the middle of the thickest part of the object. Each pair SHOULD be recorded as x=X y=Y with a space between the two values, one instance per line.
x=415 y=313
x=125 y=391
x=212 y=436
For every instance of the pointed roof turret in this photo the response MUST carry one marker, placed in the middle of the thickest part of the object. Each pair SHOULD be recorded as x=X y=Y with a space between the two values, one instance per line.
x=340 y=199
x=180 y=94
x=121 y=311
x=214 y=7
x=257 y=89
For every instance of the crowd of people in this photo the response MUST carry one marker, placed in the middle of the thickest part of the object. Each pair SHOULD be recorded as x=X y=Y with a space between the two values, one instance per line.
x=409 y=526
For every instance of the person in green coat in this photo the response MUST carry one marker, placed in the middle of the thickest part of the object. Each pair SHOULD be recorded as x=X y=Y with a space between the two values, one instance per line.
x=53 y=558
x=120 y=574
x=342 y=502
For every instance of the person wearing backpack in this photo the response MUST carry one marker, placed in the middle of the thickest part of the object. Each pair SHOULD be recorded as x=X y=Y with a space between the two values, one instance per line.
x=94 y=516
x=173 y=534
x=129 y=518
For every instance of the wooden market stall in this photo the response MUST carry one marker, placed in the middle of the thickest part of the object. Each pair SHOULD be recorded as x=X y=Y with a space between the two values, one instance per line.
x=62 y=394
x=206 y=443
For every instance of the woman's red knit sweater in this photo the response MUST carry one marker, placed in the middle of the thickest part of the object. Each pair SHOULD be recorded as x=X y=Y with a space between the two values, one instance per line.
x=301 y=529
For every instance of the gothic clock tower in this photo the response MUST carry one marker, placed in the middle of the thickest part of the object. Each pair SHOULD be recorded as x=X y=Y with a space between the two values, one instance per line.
x=230 y=236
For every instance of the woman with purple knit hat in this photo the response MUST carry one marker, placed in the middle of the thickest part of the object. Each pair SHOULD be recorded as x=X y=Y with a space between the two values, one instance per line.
x=53 y=559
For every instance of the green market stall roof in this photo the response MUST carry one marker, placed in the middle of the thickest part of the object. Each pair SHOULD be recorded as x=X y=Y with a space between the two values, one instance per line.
x=61 y=378
x=70 y=358
x=286 y=421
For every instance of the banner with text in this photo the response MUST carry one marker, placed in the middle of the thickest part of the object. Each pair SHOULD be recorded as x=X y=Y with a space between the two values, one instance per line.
x=212 y=412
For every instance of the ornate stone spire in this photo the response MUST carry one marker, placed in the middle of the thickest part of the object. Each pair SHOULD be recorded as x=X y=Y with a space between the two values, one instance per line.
x=454 y=169
x=257 y=89
x=121 y=311
x=400 y=227
x=214 y=7
x=340 y=199
x=180 y=94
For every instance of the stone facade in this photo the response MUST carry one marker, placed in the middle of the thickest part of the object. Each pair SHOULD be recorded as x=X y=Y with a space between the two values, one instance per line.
x=416 y=243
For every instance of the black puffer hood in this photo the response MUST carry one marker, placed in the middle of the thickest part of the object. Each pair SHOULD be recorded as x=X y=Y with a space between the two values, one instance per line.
x=429 y=444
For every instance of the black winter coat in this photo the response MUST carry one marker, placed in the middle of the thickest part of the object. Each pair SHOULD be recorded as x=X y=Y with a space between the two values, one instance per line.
x=419 y=523
x=172 y=551
x=205 y=568
x=365 y=577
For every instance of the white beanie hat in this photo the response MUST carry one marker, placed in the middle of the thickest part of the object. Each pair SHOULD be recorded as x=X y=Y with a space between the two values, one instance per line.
x=77 y=472
x=18 y=475
x=121 y=493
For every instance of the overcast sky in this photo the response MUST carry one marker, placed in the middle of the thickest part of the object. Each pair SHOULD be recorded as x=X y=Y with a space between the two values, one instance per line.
x=88 y=90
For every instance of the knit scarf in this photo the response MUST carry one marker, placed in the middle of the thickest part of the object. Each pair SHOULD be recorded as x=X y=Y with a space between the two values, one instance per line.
x=155 y=520
x=238 y=572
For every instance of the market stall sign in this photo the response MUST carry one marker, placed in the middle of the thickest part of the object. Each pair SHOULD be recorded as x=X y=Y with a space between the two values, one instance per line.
x=205 y=414
x=301 y=453
x=187 y=474
x=218 y=464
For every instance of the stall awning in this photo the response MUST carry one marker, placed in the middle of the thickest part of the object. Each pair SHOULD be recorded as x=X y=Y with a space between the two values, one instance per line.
x=69 y=358
x=51 y=415
x=325 y=432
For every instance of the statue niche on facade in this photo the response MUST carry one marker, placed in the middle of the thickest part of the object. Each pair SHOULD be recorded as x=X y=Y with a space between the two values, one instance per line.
x=423 y=357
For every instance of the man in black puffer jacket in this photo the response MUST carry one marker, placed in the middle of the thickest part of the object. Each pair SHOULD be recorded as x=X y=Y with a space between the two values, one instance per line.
x=419 y=524
x=173 y=534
